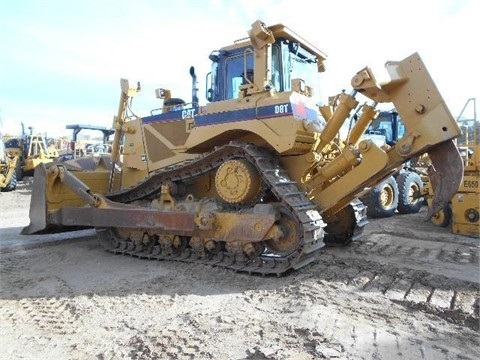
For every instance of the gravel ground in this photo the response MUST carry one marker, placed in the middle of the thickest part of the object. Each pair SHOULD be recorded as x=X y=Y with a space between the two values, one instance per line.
x=407 y=290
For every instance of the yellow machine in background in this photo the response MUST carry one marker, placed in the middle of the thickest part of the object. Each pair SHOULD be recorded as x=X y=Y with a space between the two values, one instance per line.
x=8 y=165
x=258 y=179
x=399 y=192
x=31 y=150
x=462 y=214
x=38 y=152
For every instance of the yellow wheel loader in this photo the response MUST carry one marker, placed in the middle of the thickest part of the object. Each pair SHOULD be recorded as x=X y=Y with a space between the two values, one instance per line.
x=257 y=180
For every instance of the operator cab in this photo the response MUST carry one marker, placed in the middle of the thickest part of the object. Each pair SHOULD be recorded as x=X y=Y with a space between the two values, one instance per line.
x=288 y=57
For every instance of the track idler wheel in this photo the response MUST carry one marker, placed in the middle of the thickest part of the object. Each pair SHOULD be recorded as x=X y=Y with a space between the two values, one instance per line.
x=291 y=237
x=173 y=244
x=253 y=250
x=214 y=247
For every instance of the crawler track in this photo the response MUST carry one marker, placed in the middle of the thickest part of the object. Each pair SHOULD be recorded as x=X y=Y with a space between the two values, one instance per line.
x=276 y=182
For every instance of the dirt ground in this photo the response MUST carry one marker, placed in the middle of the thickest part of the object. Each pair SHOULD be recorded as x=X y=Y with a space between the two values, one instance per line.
x=407 y=290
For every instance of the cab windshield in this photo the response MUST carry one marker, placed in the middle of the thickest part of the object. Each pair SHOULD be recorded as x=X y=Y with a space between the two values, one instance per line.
x=237 y=70
x=291 y=61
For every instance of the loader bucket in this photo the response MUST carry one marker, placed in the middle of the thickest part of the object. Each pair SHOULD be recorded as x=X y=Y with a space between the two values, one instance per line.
x=445 y=173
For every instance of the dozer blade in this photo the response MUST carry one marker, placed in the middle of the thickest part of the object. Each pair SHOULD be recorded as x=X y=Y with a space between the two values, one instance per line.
x=38 y=205
x=55 y=187
x=446 y=173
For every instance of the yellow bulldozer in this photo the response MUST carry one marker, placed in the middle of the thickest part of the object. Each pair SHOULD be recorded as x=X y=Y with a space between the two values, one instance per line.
x=257 y=180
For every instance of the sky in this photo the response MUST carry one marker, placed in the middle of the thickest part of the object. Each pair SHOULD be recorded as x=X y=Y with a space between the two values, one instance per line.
x=62 y=60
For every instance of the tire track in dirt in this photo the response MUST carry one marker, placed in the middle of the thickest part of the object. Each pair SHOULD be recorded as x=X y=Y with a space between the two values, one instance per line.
x=337 y=327
x=436 y=272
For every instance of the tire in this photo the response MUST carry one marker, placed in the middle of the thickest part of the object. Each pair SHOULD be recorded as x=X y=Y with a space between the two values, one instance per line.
x=409 y=184
x=443 y=217
x=12 y=184
x=19 y=171
x=382 y=200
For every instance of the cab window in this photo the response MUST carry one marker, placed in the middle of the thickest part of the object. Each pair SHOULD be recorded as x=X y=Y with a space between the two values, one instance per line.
x=234 y=73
